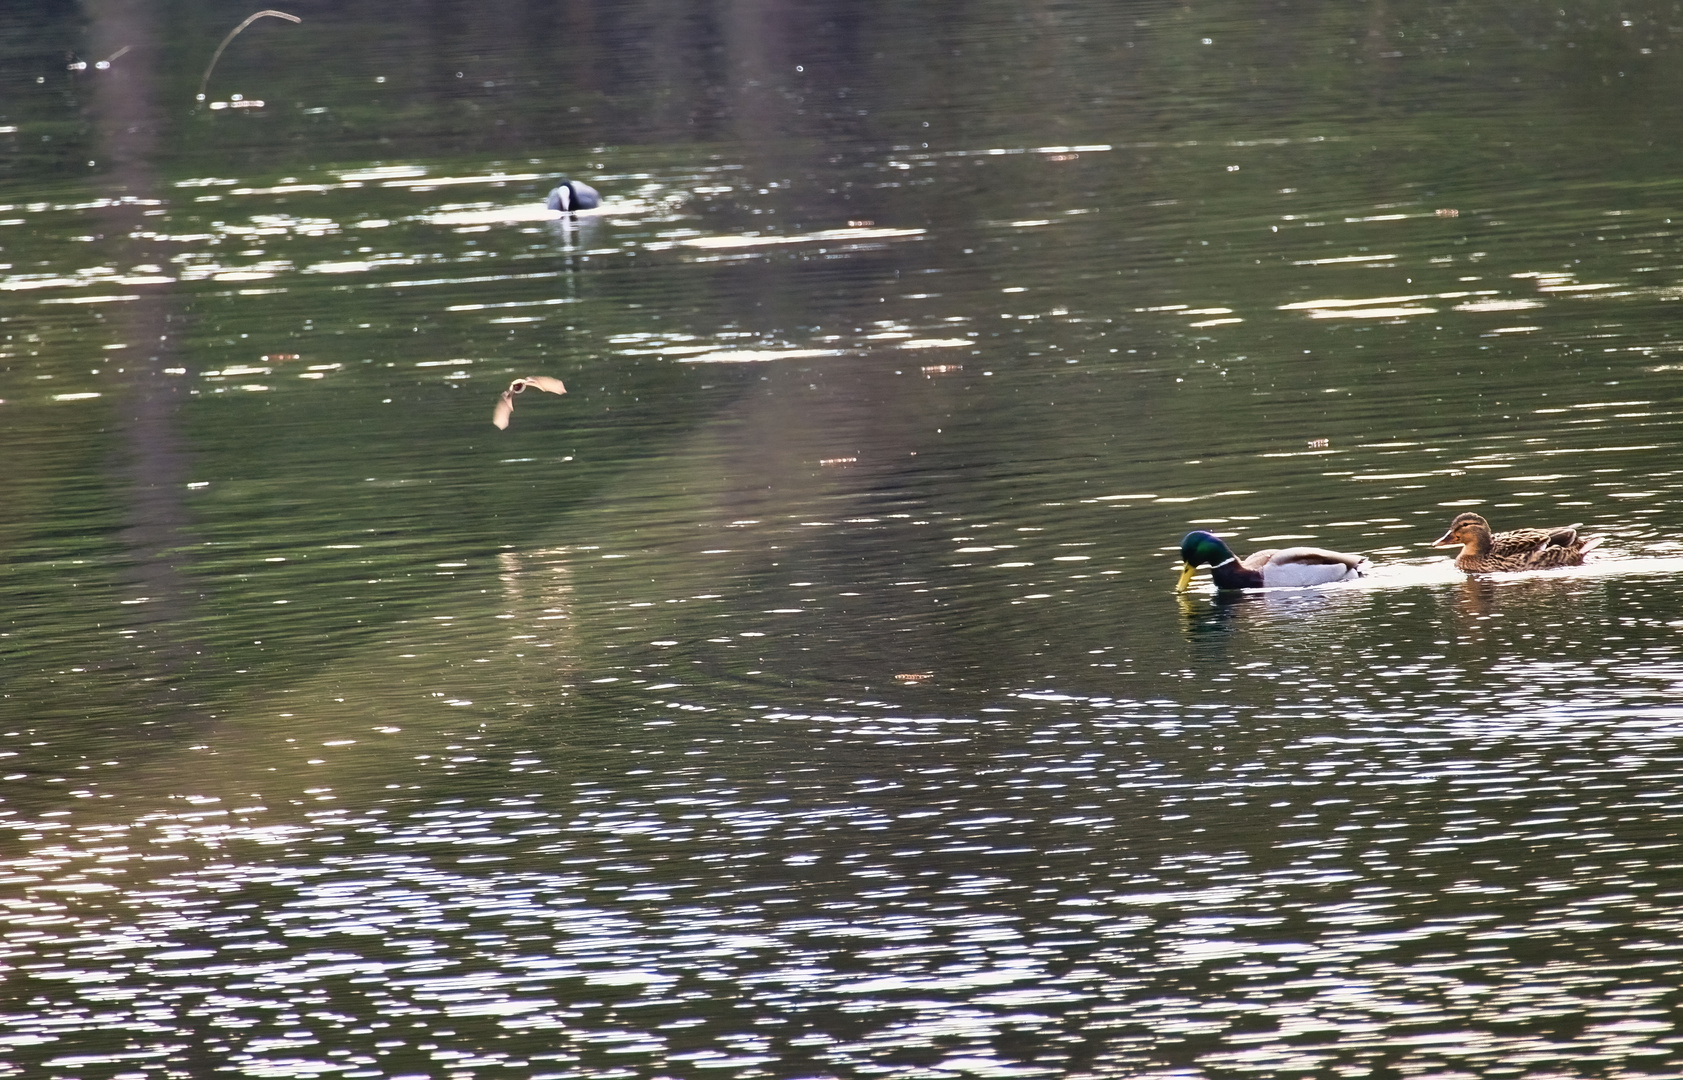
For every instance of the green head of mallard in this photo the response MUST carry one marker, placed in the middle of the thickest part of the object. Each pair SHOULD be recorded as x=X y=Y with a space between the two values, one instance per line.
x=1200 y=548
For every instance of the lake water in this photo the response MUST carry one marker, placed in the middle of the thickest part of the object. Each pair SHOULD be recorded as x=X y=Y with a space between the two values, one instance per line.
x=804 y=694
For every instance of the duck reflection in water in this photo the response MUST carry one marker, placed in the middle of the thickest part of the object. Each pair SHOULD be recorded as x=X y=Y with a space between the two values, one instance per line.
x=1208 y=622
x=1475 y=597
x=1313 y=621
x=571 y=230
x=1487 y=617
x=573 y=233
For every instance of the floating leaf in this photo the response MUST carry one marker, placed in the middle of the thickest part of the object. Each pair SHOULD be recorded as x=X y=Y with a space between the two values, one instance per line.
x=505 y=404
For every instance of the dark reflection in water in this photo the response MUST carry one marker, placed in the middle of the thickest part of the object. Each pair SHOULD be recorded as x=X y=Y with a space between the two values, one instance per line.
x=804 y=693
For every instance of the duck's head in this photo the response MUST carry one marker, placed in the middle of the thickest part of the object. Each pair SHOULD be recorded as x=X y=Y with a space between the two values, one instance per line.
x=570 y=195
x=1200 y=548
x=1463 y=530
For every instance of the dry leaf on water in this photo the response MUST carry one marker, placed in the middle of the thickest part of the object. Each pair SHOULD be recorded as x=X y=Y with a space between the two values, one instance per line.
x=505 y=404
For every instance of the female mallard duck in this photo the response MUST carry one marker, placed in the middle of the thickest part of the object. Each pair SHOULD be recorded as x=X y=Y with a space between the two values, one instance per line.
x=1289 y=568
x=1484 y=552
x=570 y=195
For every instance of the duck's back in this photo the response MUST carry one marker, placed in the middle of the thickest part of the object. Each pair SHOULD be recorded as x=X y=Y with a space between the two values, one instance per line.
x=1529 y=541
x=570 y=195
x=1569 y=554
x=1298 y=567
x=1547 y=549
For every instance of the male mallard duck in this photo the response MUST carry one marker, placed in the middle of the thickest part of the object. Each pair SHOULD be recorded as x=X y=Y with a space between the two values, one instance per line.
x=570 y=195
x=1290 y=568
x=1484 y=552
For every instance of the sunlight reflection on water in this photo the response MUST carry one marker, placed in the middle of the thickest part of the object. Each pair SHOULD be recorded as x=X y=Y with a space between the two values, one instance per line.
x=863 y=917
x=805 y=692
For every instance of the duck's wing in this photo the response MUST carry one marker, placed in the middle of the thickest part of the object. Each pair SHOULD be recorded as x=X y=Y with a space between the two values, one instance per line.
x=1256 y=560
x=1563 y=555
x=1520 y=541
x=1548 y=557
x=1316 y=556
x=1298 y=566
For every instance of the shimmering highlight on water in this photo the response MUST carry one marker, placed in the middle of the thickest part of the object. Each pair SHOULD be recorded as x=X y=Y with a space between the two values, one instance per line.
x=805 y=693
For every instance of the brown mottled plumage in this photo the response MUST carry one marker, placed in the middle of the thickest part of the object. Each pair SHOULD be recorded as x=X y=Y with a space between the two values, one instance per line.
x=1484 y=552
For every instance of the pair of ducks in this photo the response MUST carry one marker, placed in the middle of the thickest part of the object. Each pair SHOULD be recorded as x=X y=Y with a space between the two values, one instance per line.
x=1482 y=552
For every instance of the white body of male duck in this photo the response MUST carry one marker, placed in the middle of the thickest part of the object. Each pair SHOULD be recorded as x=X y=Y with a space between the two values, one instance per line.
x=570 y=195
x=1285 y=568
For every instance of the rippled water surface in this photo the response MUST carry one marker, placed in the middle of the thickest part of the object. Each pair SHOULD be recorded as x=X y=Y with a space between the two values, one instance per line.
x=804 y=693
